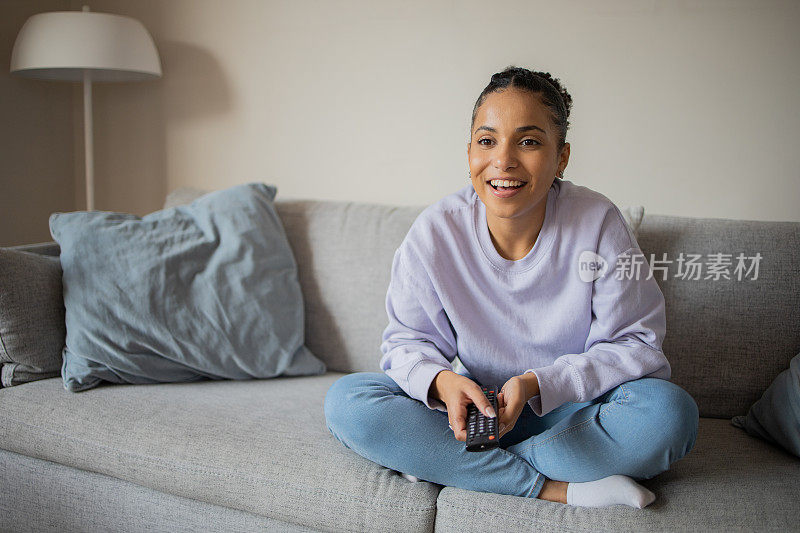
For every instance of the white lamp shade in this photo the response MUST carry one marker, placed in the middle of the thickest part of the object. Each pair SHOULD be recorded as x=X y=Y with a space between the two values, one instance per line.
x=61 y=45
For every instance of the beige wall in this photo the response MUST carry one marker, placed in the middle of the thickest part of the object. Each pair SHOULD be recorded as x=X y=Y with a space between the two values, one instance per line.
x=36 y=138
x=686 y=107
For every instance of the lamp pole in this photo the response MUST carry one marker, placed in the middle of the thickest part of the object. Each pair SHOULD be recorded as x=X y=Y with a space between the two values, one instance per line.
x=88 y=136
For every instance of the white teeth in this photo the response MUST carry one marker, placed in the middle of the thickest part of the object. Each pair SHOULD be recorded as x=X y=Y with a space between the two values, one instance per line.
x=506 y=183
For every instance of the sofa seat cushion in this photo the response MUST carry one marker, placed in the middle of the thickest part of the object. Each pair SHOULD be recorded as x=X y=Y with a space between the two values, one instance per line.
x=730 y=481
x=259 y=446
x=49 y=497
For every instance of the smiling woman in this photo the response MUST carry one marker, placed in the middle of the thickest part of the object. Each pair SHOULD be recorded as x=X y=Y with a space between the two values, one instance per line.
x=517 y=148
x=491 y=274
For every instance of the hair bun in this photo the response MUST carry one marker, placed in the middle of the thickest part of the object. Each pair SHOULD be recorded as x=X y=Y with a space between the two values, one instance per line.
x=555 y=82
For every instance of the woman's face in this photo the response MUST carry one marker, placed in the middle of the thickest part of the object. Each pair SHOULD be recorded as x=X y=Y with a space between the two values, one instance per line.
x=514 y=139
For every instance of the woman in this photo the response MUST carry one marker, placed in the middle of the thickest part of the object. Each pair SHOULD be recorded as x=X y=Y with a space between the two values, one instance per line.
x=519 y=275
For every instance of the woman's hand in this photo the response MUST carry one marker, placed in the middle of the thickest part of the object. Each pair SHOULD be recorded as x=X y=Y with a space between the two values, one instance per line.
x=513 y=397
x=457 y=392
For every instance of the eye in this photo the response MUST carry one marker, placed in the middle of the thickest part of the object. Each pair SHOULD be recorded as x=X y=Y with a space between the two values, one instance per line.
x=532 y=142
x=488 y=141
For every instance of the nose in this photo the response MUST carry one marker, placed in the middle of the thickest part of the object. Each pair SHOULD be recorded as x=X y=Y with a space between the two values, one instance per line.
x=504 y=157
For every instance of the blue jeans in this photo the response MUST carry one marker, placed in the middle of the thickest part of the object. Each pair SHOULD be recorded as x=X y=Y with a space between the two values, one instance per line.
x=636 y=429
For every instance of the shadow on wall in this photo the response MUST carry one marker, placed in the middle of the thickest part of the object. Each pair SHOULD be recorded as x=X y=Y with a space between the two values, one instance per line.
x=133 y=160
x=194 y=83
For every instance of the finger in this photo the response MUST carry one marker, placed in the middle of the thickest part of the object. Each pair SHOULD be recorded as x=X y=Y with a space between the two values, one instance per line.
x=503 y=426
x=459 y=423
x=508 y=419
x=507 y=423
x=457 y=434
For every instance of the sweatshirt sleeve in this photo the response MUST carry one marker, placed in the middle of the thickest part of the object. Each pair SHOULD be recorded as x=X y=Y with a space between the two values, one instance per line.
x=419 y=341
x=624 y=342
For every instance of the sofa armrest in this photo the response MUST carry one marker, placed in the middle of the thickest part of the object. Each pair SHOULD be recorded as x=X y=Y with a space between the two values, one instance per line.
x=43 y=248
x=32 y=315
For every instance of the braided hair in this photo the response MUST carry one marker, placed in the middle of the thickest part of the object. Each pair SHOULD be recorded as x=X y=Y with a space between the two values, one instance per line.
x=553 y=95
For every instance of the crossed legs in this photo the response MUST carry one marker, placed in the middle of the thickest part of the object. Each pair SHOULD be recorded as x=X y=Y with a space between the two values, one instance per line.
x=637 y=429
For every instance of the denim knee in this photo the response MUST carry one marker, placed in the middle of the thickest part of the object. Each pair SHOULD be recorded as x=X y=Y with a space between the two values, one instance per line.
x=338 y=398
x=669 y=411
x=346 y=403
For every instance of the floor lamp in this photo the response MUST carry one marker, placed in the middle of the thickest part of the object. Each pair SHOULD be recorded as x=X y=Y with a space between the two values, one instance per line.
x=85 y=46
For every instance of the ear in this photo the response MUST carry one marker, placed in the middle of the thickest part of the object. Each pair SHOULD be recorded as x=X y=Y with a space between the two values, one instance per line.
x=563 y=157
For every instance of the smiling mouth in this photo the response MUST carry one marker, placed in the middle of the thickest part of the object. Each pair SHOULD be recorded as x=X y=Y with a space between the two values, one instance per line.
x=506 y=185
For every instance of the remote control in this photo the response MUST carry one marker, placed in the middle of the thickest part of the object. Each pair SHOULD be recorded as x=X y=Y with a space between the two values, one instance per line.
x=482 y=432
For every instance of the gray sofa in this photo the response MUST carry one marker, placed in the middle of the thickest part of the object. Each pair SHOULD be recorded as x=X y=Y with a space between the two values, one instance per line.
x=257 y=456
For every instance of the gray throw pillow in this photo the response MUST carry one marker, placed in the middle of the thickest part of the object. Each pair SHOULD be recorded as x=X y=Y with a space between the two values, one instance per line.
x=207 y=290
x=31 y=317
x=775 y=417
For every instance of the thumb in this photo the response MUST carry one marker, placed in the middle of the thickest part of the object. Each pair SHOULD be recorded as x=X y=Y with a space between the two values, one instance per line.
x=482 y=403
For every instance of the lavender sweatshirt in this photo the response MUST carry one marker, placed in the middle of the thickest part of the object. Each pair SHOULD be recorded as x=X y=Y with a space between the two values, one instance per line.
x=452 y=294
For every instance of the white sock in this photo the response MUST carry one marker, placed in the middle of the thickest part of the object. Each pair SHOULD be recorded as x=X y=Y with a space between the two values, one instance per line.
x=611 y=490
x=411 y=478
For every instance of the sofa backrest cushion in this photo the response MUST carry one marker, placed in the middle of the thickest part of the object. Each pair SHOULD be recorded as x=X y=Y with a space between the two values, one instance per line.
x=727 y=339
x=344 y=255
